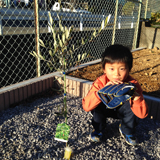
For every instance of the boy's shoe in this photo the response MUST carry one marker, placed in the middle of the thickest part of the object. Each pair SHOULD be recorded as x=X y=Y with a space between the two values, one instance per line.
x=96 y=137
x=130 y=139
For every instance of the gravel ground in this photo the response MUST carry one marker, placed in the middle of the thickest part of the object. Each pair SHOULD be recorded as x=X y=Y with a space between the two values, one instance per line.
x=27 y=132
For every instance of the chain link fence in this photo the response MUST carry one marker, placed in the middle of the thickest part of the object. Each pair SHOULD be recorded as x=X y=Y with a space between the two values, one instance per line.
x=148 y=7
x=19 y=31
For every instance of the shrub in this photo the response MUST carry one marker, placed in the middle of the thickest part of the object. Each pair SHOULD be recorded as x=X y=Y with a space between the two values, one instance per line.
x=155 y=18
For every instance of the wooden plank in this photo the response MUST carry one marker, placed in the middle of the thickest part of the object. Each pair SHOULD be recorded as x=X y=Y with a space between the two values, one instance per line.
x=87 y=87
x=16 y=95
x=70 y=86
x=83 y=90
x=25 y=92
x=6 y=99
x=11 y=97
x=2 y=104
x=29 y=90
x=40 y=86
x=74 y=91
x=78 y=89
x=20 y=90
x=47 y=84
x=33 y=88
x=44 y=85
x=37 y=87
x=50 y=82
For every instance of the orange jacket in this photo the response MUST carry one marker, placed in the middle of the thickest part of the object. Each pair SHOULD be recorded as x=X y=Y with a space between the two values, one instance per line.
x=91 y=101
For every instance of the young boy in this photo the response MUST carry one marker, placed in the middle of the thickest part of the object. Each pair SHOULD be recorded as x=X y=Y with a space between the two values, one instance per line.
x=116 y=63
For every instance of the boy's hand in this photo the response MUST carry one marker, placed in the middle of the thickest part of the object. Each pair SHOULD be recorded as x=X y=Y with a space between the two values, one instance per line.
x=136 y=96
x=113 y=83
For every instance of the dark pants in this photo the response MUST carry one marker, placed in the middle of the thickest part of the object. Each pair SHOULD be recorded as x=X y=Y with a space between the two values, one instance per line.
x=123 y=112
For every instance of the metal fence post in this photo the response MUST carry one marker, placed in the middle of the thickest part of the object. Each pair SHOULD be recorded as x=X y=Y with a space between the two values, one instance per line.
x=8 y=3
x=119 y=22
x=81 y=22
x=137 y=26
x=145 y=14
x=115 y=22
x=1 y=28
x=103 y=22
x=132 y=22
x=36 y=13
x=49 y=23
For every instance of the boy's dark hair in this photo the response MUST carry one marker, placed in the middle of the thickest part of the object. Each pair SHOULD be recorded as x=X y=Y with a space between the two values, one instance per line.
x=117 y=53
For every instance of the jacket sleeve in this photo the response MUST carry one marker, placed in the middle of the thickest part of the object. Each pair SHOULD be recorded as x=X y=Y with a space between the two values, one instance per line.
x=139 y=107
x=92 y=100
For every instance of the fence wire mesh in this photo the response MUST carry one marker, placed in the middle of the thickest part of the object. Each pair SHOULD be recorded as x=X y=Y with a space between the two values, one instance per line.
x=148 y=7
x=17 y=31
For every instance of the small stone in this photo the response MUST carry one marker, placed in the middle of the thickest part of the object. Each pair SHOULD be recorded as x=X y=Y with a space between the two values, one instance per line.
x=150 y=73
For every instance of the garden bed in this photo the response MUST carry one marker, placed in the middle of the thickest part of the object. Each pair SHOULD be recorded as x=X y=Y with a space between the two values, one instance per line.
x=146 y=69
x=27 y=131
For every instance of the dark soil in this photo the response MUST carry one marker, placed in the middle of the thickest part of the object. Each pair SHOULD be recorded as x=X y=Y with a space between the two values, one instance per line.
x=146 y=70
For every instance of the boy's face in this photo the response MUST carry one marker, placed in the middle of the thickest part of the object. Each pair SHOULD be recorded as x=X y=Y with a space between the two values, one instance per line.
x=116 y=72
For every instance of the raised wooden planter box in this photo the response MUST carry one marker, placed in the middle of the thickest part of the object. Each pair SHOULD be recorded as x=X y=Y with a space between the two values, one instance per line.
x=16 y=93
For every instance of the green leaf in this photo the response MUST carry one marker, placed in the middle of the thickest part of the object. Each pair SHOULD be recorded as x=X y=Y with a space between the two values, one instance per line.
x=50 y=52
x=73 y=46
x=50 y=18
x=94 y=33
x=33 y=54
x=83 y=41
x=107 y=19
x=70 y=51
x=101 y=27
x=71 y=29
x=83 y=56
x=55 y=45
x=60 y=42
x=61 y=61
x=49 y=44
x=41 y=57
x=60 y=25
x=63 y=38
x=66 y=32
x=50 y=67
x=41 y=43
x=54 y=35
x=79 y=57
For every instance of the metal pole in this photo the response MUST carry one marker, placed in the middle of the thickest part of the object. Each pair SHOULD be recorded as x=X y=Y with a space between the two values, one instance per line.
x=49 y=23
x=115 y=22
x=132 y=22
x=81 y=22
x=137 y=26
x=36 y=13
x=103 y=21
x=145 y=16
x=1 y=27
x=119 y=22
